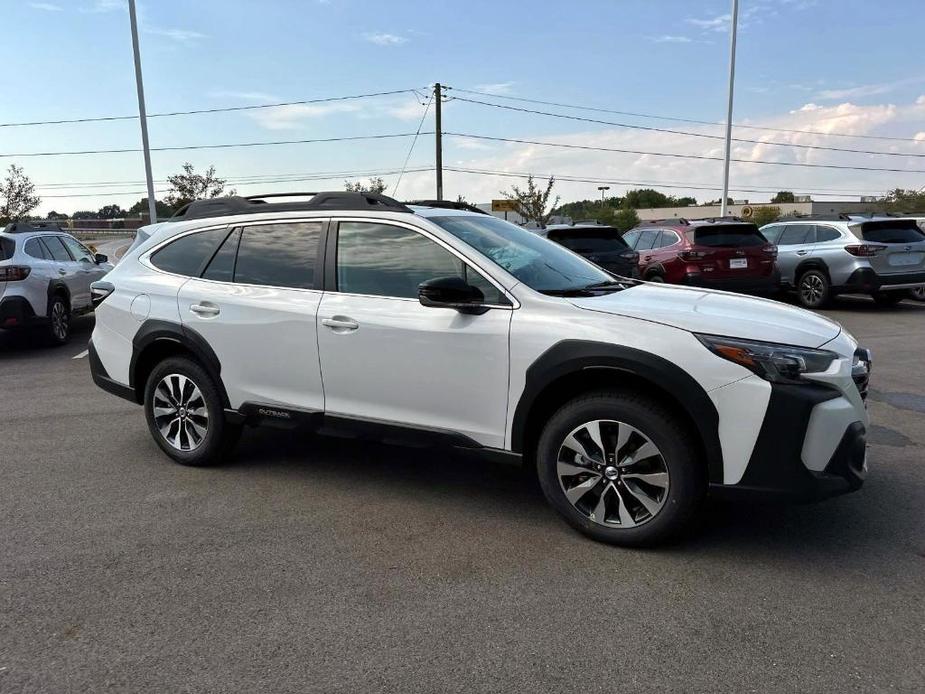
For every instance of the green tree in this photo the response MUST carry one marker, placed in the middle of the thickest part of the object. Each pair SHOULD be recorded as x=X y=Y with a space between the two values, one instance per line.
x=84 y=214
x=784 y=196
x=141 y=208
x=765 y=215
x=625 y=219
x=904 y=201
x=188 y=186
x=532 y=203
x=17 y=195
x=375 y=185
x=55 y=215
x=110 y=212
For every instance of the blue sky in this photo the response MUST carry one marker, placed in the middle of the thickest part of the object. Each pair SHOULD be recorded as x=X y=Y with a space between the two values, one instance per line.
x=839 y=65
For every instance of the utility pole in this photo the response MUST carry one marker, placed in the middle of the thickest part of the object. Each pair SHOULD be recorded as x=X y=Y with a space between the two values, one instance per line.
x=733 y=28
x=603 y=189
x=152 y=207
x=438 y=128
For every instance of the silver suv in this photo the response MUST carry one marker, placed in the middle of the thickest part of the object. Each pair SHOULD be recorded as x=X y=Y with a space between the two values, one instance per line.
x=820 y=258
x=45 y=277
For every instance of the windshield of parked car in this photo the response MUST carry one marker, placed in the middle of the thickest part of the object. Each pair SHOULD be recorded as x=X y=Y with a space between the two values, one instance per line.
x=537 y=262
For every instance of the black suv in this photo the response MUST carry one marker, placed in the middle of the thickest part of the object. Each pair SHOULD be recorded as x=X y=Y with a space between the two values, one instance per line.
x=602 y=245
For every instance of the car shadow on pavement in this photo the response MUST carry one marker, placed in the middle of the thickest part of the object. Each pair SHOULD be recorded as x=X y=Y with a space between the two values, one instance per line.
x=32 y=342
x=472 y=485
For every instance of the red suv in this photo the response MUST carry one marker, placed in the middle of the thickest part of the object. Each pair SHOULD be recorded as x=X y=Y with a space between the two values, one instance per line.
x=716 y=253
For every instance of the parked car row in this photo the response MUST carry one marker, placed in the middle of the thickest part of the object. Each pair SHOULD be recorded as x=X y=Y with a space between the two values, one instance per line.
x=818 y=259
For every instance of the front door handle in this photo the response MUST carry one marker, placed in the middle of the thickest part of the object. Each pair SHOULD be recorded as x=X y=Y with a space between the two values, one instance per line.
x=802 y=252
x=62 y=271
x=205 y=310
x=340 y=324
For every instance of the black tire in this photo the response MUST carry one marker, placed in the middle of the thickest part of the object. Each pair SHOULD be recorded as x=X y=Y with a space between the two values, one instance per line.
x=655 y=278
x=917 y=294
x=677 y=447
x=220 y=437
x=58 y=331
x=889 y=299
x=814 y=289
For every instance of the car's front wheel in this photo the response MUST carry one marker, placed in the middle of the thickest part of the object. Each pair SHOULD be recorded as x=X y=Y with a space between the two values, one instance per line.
x=621 y=469
x=918 y=293
x=814 y=289
x=185 y=414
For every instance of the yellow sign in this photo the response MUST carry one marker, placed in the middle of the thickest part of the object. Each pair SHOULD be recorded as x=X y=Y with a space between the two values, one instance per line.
x=747 y=212
x=503 y=206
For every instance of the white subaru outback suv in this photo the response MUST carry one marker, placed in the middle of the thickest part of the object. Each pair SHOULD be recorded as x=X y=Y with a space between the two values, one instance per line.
x=355 y=312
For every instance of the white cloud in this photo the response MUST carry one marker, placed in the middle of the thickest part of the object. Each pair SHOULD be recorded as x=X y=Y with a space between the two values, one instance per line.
x=178 y=35
x=45 y=6
x=495 y=88
x=384 y=39
x=293 y=117
x=719 y=23
x=670 y=38
x=107 y=6
x=868 y=89
x=639 y=170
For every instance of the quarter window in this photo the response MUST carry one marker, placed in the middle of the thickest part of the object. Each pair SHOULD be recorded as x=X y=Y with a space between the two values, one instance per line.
x=772 y=233
x=384 y=260
x=35 y=249
x=826 y=234
x=279 y=255
x=647 y=239
x=188 y=254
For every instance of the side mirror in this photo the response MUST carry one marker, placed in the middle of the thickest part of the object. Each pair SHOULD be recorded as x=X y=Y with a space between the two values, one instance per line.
x=101 y=258
x=451 y=292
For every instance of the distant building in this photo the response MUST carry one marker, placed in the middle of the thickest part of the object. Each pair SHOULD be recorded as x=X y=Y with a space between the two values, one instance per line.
x=745 y=209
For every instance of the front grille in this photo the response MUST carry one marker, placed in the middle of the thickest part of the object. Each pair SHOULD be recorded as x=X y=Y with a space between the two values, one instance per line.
x=860 y=371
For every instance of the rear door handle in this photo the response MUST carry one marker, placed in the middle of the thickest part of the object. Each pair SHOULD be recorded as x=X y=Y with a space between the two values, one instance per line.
x=802 y=252
x=205 y=310
x=62 y=271
x=340 y=324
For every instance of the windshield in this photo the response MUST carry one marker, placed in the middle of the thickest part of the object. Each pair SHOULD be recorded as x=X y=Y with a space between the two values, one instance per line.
x=537 y=262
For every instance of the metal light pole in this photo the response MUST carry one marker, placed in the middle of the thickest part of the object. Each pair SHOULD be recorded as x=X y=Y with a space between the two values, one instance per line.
x=603 y=189
x=734 y=25
x=142 y=116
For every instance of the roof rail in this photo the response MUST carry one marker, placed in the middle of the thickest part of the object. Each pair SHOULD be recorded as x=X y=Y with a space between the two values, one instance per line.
x=447 y=205
x=727 y=218
x=668 y=221
x=35 y=225
x=254 y=204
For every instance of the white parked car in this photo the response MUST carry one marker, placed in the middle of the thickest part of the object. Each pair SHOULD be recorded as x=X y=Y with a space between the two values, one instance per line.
x=353 y=311
x=45 y=277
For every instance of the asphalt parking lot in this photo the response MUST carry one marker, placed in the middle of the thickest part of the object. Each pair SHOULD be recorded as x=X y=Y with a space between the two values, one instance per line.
x=312 y=564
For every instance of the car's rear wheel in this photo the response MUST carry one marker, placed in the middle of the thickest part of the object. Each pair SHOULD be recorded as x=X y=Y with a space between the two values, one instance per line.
x=621 y=468
x=59 y=321
x=655 y=278
x=185 y=414
x=888 y=299
x=814 y=289
x=918 y=293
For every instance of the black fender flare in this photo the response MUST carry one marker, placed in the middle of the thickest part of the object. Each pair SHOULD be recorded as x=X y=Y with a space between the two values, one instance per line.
x=154 y=331
x=55 y=286
x=811 y=264
x=575 y=356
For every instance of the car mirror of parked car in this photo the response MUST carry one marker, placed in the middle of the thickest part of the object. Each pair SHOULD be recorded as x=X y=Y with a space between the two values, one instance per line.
x=451 y=292
x=101 y=258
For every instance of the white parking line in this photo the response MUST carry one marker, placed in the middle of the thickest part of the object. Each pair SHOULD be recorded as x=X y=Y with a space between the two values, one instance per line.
x=81 y=355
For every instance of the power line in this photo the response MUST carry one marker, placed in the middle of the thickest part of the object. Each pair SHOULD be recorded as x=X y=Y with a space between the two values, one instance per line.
x=226 y=145
x=660 y=184
x=678 y=119
x=701 y=157
x=687 y=133
x=411 y=148
x=226 y=109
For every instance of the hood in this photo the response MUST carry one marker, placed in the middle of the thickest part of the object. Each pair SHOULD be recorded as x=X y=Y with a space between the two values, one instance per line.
x=716 y=313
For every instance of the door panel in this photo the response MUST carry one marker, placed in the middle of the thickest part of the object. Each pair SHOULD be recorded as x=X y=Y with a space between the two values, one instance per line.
x=415 y=365
x=794 y=245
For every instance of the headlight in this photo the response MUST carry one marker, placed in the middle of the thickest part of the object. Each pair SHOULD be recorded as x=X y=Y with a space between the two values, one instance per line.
x=776 y=363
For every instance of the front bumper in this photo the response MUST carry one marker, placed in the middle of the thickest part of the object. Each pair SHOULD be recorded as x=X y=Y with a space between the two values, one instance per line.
x=800 y=421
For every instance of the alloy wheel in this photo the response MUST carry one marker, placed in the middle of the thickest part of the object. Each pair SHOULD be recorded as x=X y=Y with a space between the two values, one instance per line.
x=612 y=473
x=180 y=412
x=812 y=289
x=59 y=323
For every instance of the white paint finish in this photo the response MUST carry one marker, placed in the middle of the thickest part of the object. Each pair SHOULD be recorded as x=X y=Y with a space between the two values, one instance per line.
x=827 y=425
x=717 y=313
x=407 y=363
x=741 y=407
x=264 y=338
x=141 y=307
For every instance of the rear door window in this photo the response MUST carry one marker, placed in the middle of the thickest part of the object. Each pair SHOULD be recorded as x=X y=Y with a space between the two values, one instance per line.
x=647 y=239
x=279 y=255
x=728 y=236
x=57 y=249
x=795 y=234
x=892 y=231
x=189 y=253
x=221 y=267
